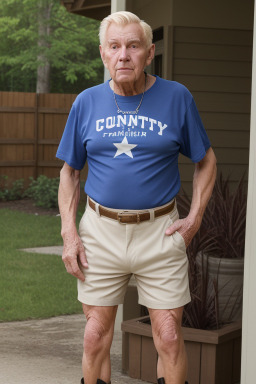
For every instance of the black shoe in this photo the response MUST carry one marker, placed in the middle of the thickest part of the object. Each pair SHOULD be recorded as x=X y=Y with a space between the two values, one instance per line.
x=161 y=381
x=99 y=381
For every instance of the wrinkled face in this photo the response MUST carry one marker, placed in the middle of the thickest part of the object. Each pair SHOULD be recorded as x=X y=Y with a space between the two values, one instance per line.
x=124 y=52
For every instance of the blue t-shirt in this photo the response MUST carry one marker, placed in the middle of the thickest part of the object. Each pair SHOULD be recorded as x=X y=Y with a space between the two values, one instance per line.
x=133 y=159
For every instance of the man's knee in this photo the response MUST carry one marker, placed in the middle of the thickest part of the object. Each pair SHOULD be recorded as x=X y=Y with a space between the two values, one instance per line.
x=98 y=331
x=94 y=334
x=167 y=332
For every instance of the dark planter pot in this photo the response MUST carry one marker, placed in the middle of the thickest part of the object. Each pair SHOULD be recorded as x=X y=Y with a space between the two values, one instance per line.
x=214 y=357
x=228 y=275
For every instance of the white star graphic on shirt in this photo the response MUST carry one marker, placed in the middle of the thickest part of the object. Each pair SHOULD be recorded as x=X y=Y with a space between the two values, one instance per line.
x=124 y=147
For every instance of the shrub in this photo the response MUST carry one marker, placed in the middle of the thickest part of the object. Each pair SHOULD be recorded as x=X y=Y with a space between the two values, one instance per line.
x=15 y=192
x=44 y=191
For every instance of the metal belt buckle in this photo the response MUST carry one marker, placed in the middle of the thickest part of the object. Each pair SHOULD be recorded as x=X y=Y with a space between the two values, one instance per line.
x=120 y=215
x=125 y=213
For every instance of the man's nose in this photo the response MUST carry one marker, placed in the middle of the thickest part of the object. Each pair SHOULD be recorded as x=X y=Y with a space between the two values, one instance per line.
x=124 y=55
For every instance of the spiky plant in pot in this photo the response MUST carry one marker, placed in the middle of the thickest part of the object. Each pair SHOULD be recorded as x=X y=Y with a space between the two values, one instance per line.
x=220 y=237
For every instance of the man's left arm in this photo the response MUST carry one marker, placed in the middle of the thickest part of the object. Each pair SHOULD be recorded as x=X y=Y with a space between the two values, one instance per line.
x=203 y=183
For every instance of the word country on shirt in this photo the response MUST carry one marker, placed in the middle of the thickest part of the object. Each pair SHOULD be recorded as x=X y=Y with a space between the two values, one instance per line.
x=132 y=121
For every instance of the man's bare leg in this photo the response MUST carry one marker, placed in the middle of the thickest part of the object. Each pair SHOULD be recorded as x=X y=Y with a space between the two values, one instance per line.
x=166 y=328
x=98 y=338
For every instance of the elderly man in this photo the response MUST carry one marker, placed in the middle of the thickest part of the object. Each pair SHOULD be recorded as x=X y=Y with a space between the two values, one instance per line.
x=131 y=130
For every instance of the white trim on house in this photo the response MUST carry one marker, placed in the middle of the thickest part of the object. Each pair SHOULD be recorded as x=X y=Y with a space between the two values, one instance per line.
x=249 y=304
x=118 y=5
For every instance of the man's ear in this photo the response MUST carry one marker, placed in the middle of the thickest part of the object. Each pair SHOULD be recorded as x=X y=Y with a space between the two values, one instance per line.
x=151 y=54
x=102 y=54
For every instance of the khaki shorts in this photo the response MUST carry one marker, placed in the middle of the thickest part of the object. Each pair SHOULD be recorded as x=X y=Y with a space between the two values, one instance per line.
x=116 y=251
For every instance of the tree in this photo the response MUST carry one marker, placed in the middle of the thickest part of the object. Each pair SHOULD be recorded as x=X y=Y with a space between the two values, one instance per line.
x=40 y=42
x=44 y=34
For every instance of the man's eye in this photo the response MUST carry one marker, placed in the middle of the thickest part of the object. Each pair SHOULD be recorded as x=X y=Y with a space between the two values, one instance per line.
x=114 y=47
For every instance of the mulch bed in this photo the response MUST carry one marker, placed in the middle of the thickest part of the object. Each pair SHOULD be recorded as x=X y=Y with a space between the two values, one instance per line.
x=28 y=206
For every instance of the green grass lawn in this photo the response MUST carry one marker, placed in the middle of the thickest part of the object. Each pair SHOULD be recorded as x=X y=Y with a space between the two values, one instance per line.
x=33 y=285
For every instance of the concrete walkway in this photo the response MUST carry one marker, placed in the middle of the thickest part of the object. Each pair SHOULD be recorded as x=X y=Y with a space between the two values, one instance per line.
x=55 y=250
x=49 y=352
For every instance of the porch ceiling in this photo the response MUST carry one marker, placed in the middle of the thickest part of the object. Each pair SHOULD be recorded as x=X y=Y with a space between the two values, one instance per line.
x=95 y=9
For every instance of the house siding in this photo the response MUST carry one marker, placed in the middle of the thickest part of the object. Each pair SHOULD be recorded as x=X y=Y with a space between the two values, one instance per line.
x=215 y=65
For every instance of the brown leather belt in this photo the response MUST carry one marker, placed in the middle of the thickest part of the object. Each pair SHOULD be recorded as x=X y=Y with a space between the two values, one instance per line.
x=127 y=217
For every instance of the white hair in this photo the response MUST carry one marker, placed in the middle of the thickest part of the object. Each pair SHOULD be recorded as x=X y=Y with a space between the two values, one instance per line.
x=124 y=18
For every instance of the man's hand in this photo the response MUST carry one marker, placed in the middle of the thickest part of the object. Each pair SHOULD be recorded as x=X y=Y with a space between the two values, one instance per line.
x=74 y=256
x=186 y=227
x=203 y=182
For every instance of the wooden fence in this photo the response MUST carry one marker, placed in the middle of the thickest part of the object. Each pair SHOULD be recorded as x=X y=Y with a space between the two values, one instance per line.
x=31 y=126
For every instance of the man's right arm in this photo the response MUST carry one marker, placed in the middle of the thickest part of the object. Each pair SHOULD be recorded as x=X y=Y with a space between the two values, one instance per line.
x=69 y=193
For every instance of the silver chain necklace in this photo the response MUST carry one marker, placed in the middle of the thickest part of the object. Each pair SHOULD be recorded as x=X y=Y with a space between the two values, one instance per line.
x=119 y=110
